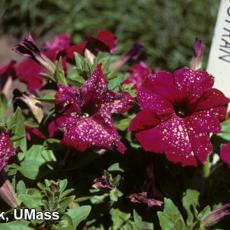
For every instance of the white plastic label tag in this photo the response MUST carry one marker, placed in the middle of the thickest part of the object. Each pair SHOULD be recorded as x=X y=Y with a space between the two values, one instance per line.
x=219 y=57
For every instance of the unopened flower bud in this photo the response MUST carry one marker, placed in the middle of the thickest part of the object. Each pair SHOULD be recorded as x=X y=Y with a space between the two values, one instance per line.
x=215 y=216
x=27 y=47
x=198 y=51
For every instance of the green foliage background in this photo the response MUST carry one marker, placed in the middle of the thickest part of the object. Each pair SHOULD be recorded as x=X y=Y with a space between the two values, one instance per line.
x=167 y=28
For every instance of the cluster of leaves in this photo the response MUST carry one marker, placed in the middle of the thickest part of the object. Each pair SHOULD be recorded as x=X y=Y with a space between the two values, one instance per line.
x=159 y=25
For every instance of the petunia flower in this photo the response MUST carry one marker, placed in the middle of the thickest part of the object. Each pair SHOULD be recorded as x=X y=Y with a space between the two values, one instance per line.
x=6 y=152
x=198 y=51
x=33 y=132
x=58 y=45
x=104 y=41
x=141 y=198
x=28 y=48
x=6 y=149
x=215 y=216
x=225 y=154
x=132 y=54
x=39 y=61
x=138 y=73
x=179 y=111
x=103 y=183
x=85 y=114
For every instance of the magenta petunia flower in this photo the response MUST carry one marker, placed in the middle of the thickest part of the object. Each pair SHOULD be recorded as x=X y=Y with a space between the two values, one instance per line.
x=198 y=51
x=179 y=110
x=85 y=114
x=138 y=73
x=28 y=72
x=103 y=183
x=38 y=61
x=141 y=198
x=33 y=132
x=6 y=149
x=104 y=41
x=59 y=44
x=215 y=216
x=225 y=154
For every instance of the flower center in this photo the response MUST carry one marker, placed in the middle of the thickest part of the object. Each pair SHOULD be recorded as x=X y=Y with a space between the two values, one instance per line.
x=182 y=110
x=88 y=109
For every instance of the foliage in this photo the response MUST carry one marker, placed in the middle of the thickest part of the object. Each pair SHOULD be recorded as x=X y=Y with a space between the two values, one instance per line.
x=166 y=28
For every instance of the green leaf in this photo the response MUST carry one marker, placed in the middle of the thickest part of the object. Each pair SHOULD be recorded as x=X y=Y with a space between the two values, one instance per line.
x=35 y=157
x=49 y=97
x=21 y=187
x=171 y=218
x=19 y=225
x=3 y=106
x=204 y=212
x=115 y=168
x=79 y=61
x=115 y=194
x=140 y=224
x=225 y=130
x=74 y=77
x=123 y=124
x=59 y=73
x=79 y=214
x=47 y=76
x=63 y=185
x=119 y=218
x=65 y=223
x=66 y=201
x=97 y=199
x=15 y=123
x=116 y=81
x=190 y=201
x=31 y=199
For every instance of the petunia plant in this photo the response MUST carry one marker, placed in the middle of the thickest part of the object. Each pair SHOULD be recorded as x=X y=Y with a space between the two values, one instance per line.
x=106 y=142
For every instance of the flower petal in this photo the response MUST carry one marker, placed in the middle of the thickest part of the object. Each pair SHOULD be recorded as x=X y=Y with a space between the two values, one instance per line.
x=200 y=143
x=58 y=44
x=95 y=87
x=143 y=120
x=82 y=133
x=28 y=72
x=27 y=47
x=225 y=153
x=210 y=99
x=138 y=74
x=192 y=84
x=206 y=121
x=116 y=103
x=151 y=101
x=68 y=98
x=108 y=38
x=162 y=84
x=169 y=137
x=6 y=149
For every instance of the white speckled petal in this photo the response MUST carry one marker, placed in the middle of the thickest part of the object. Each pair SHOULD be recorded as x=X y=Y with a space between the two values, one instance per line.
x=6 y=149
x=151 y=101
x=192 y=84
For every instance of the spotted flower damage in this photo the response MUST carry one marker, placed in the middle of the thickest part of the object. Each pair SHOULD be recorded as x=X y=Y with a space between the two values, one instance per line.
x=6 y=149
x=85 y=114
x=179 y=111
